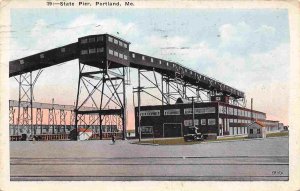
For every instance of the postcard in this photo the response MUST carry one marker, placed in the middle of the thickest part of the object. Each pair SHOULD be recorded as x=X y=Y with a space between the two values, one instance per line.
x=152 y=95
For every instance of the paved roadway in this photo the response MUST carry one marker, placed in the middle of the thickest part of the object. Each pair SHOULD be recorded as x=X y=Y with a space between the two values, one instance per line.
x=258 y=159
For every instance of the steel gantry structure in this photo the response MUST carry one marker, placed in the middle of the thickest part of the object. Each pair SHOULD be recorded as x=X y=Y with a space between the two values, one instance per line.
x=104 y=61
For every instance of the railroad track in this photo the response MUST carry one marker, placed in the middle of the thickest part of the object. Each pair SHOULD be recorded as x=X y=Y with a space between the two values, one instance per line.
x=192 y=168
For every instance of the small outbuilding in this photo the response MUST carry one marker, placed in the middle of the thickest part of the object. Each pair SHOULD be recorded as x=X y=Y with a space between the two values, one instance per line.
x=84 y=134
x=256 y=130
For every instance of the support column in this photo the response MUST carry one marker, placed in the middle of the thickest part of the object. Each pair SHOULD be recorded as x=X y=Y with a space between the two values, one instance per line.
x=11 y=120
x=124 y=122
x=39 y=119
x=102 y=88
x=62 y=120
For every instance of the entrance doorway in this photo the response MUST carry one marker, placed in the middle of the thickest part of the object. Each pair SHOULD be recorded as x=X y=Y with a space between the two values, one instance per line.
x=172 y=130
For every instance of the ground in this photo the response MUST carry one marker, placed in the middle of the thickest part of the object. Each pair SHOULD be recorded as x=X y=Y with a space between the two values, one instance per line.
x=257 y=159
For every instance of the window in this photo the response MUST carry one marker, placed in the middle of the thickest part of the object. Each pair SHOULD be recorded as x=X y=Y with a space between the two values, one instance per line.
x=251 y=131
x=125 y=45
x=120 y=55
x=92 y=50
x=210 y=110
x=110 y=51
x=21 y=61
x=84 y=41
x=99 y=38
x=203 y=121
x=84 y=52
x=110 y=39
x=172 y=112
x=190 y=122
x=151 y=59
x=222 y=109
x=199 y=110
x=167 y=63
x=211 y=121
x=143 y=57
x=150 y=113
x=91 y=39
x=160 y=62
x=100 y=49
x=133 y=55
x=63 y=49
x=187 y=111
x=125 y=57
x=116 y=53
x=116 y=41
x=258 y=131
x=120 y=43
x=147 y=130
x=42 y=56
x=230 y=111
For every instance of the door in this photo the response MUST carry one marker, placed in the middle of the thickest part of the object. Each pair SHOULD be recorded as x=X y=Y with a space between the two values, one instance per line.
x=172 y=130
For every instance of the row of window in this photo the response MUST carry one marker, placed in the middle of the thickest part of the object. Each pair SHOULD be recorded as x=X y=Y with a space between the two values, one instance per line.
x=150 y=113
x=238 y=130
x=189 y=122
x=240 y=112
x=190 y=71
x=239 y=121
x=100 y=38
x=117 y=54
x=117 y=42
x=167 y=63
x=203 y=110
x=187 y=111
x=91 y=40
x=92 y=51
x=181 y=69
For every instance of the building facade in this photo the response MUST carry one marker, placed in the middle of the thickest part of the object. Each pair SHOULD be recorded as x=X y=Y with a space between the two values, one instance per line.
x=212 y=118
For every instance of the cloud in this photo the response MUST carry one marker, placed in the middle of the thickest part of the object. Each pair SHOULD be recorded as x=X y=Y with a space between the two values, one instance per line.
x=246 y=57
x=47 y=35
x=241 y=38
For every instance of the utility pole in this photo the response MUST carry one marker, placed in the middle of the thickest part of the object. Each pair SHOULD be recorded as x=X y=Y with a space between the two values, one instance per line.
x=139 y=105
x=193 y=111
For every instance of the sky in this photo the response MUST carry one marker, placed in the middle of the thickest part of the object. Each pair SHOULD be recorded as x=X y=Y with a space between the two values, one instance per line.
x=246 y=49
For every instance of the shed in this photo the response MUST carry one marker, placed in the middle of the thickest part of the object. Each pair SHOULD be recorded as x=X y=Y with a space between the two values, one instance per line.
x=256 y=130
x=84 y=134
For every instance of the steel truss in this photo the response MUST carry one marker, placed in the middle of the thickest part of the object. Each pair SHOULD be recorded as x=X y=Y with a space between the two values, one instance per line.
x=103 y=88
x=169 y=87
x=26 y=84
